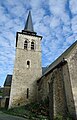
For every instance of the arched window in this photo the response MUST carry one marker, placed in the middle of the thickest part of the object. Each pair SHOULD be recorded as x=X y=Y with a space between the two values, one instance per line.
x=25 y=44
x=32 y=45
x=28 y=64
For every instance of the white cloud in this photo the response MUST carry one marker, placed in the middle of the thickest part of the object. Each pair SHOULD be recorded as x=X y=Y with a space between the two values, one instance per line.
x=74 y=24
x=52 y=19
x=73 y=6
x=35 y=4
x=57 y=7
x=54 y=22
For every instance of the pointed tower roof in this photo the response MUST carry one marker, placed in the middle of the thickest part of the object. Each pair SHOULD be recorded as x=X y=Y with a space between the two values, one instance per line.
x=29 y=24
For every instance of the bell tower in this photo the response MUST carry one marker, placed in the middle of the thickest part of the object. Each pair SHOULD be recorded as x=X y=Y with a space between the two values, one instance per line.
x=27 y=67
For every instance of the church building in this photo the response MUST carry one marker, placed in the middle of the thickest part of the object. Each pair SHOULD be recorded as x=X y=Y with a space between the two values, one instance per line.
x=58 y=82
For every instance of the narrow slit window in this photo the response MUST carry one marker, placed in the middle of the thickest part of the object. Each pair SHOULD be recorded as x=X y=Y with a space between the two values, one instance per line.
x=27 y=93
x=28 y=64
x=32 y=45
x=25 y=44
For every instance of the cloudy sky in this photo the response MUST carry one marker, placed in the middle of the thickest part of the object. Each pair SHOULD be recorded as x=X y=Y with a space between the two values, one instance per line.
x=55 y=20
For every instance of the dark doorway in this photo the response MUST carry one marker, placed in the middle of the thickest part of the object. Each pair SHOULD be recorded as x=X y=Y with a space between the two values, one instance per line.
x=6 y=103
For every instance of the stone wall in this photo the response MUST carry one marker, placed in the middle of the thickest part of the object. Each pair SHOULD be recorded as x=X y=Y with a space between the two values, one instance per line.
x=6 y=91
x=58 y=99
x=24 y=80
x=64 y=84
x=43 y=87
x=3 y=100
x=72 y=67
x=68 y=91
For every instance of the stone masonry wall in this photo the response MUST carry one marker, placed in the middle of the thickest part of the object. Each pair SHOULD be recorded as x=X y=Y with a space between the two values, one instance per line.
x=58 y=90
x=59 y=100
x=68 y=91
x=6 y=91
x=25 y=78
x=43 y=87
x=72 y=66
x=64 y=85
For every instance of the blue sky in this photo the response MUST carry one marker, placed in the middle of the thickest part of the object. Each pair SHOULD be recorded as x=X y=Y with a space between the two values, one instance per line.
x=55 y=20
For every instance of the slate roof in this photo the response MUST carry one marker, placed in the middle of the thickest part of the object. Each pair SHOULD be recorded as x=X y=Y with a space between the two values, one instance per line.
x=29 y=24
x=59 y=59
x=8 y=80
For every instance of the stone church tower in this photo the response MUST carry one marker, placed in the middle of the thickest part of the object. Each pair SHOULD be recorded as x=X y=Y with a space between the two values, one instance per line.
x=27 y=67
